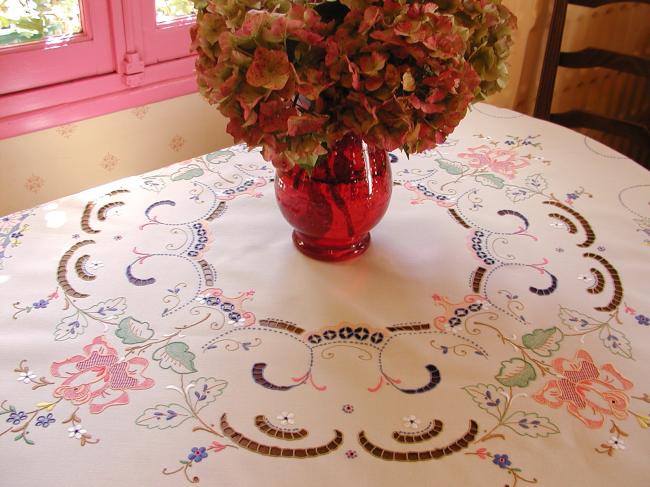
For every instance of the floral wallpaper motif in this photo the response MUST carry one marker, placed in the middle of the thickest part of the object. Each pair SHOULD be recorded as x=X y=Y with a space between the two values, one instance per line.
x=109 y=161
x=177 y=143
x=64 y=160
x=34 y=183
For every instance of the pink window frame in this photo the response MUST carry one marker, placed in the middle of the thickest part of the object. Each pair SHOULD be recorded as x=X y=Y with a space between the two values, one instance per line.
x=148 y=62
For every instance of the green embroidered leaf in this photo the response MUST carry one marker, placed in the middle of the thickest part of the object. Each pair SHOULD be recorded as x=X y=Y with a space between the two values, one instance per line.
x=71 y=327
x=490 y=180
x=204 y=390
x=163 y=416
x=531 y=424
x=132 y=331
x=451 y=167
x=488 y=397
x=615 y=341
x=175 y=356
x=516 y=373
x=577 y=321
x=543 y=342
x=187 y=173
x=219 y=157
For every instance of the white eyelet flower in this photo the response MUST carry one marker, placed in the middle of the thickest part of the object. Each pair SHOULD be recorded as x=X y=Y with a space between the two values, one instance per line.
x=76 y=431
x=616 y=443
x=26 y=377
x=286 y=418
x=411 y=422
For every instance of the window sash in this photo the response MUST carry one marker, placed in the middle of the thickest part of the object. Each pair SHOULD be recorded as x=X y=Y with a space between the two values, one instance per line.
x=121 y=59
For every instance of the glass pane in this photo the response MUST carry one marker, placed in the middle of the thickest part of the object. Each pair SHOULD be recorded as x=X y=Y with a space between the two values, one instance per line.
x=32 y=20
x=168 y=10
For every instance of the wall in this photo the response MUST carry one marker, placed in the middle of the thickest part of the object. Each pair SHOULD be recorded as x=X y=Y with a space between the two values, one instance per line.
x=44 y=165
x=41 y=166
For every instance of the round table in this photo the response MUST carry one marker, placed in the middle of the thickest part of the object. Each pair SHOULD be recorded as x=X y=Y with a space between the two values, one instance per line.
x=163 y=330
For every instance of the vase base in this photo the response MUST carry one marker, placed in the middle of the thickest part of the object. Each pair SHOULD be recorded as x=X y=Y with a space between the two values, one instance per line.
x=320 y=249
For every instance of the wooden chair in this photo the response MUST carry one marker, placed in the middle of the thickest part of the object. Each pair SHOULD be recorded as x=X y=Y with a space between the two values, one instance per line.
x=635 y=131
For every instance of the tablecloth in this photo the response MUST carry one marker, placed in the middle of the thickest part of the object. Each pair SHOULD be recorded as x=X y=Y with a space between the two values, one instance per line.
x=163 y=330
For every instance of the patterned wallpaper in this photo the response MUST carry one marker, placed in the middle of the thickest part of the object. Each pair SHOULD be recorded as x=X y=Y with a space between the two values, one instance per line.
x=49 y=164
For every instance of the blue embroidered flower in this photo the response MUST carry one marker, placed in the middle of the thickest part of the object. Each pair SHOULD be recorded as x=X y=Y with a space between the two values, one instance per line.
x=643 y=320
x=16 y=417
x=502 y=461
x=572 y=196
x=40 y=304
x=16 y=235
x=197 y=454
x=202 y=395
x=45 y=421
x=212 y=301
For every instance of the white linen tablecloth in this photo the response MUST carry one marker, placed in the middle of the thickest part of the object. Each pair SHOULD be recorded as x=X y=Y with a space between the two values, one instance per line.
x=163 y=330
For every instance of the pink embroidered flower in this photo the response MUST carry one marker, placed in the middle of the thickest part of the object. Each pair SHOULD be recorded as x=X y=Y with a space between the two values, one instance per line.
x=482 y=453
x=98 y=377
x=590 y=392
x=502 y=161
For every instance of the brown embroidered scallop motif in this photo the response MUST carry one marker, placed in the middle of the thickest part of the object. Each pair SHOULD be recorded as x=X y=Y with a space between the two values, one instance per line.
x=477 y=279
x=275 y=451
x=458 y=218
x=431 y=431
x=281 y=325
x=264 y=425
x=570 y=225
x=410 y=327
x=416 y=456
x=617 y=297
x=589 y=232
x=61 y=272
x=219 y=210
x=208 y=273
x=599 y=284
x=101 y=213
x=81 y=270
x=85 y=218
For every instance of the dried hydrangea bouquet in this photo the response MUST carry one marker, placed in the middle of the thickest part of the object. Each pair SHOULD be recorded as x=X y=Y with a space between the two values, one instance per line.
x=327 y=88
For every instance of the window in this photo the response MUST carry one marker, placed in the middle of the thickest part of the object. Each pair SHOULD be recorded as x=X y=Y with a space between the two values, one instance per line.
x=65 y=60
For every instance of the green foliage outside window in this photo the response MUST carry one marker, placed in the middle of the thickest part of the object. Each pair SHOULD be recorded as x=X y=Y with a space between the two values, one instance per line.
x=32 y=20
x=167 y=10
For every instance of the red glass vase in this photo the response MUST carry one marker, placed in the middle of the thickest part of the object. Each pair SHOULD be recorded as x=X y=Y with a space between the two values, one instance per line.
x=333 y=209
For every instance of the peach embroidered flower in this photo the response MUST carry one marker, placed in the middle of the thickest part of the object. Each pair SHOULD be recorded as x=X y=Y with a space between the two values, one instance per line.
x=98 y=377
x=590 y=392
x=502 y=161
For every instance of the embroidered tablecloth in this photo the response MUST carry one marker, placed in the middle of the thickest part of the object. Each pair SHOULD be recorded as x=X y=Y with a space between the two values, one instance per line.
x=163 y=330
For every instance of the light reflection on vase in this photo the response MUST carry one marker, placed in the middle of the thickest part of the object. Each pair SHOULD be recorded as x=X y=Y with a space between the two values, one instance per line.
x=333 y=209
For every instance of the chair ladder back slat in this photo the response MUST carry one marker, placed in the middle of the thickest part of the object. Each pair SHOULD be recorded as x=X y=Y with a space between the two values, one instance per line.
x=551 y=60
x=600 y=3
x=601 y=58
